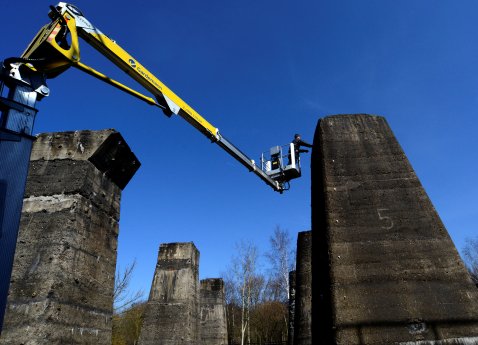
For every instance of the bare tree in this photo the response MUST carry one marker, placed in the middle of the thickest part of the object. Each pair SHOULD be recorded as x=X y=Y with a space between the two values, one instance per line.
x=127 y=325
x=470 y=253
x=267 y=322
x=281 y=258
x=232 y=302
x=257 y=289
x=244 y=271
x=122 y=297
x=255 y=311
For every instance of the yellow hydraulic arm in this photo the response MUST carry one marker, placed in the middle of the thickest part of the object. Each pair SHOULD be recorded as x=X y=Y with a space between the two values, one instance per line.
x=56 y=48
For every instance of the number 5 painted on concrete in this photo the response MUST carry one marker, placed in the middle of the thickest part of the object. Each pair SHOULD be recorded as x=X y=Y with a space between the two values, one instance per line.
x=385 y=218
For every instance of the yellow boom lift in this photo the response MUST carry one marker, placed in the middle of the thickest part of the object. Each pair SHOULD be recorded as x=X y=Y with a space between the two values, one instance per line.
x=55 y=49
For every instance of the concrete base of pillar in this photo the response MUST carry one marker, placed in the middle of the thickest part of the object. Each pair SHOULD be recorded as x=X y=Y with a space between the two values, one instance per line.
x=63 y=276
x=386 y=269
x=172 y=313
x=213 y=327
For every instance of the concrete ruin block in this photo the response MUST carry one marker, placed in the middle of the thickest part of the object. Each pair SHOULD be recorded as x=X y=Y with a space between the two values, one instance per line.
x=385 y=268
x=63 y=275
x=213 y=326
x=303 y=290
x=292 y=286
x=172 y=313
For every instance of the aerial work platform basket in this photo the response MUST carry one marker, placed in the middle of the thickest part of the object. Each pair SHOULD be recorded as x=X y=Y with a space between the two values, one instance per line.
x=281 y=163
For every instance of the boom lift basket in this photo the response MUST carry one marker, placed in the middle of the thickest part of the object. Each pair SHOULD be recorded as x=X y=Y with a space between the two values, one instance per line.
x=280 y=163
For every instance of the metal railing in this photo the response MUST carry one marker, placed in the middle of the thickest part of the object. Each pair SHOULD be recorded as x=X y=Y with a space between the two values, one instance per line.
x=284 y=157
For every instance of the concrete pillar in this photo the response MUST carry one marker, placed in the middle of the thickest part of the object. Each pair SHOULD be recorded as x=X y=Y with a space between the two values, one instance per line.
x=213 y=327
x=64 y=267
x=290 y=335
x=172 y=313
x=303 y=290
x=386 y=269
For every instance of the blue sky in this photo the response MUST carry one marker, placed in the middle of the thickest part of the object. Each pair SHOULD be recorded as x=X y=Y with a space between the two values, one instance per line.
x=261 y=71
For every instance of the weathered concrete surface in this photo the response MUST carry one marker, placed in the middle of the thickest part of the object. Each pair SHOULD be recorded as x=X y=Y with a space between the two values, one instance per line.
x=62 y=282
x=172 y=312
x=303 y=290
x=213 y=327
x=106 y=149
x=292 y=286
x=385 y=268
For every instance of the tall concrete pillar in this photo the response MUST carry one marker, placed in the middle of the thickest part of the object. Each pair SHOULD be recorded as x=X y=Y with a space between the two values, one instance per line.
x=213 y=327
x=172 y=313
x=303 y=290
x=64 y=267
x=292 y=285
x=386 y=269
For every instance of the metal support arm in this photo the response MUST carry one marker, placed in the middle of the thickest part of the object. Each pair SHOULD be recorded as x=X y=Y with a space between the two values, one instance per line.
x=248 y=163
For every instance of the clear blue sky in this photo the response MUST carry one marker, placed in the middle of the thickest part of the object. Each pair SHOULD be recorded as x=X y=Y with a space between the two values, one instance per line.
x=262 y=71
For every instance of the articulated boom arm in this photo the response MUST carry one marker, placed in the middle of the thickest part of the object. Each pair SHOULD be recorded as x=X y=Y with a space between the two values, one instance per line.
x=56 y=48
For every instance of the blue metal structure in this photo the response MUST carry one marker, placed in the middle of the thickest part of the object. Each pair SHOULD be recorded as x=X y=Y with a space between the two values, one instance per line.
x=21 y=87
